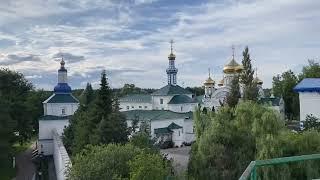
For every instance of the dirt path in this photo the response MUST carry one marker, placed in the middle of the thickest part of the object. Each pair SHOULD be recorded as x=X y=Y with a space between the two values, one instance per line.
x=180 y=158
x=25 y=167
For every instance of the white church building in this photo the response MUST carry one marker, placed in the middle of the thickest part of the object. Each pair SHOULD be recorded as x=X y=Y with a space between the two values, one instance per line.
x=58 y=109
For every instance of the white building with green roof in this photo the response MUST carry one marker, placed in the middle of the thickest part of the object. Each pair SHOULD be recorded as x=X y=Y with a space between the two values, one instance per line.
x=170 y=105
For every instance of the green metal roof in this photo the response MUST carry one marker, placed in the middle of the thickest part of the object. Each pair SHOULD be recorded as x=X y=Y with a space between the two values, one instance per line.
x=151 y=115
x=61 y=98
x=171 y=90
x=199 y=99
x=174 y=126
x=136 y=98
x=181 y=99
x=162 y=131
x=51 y=117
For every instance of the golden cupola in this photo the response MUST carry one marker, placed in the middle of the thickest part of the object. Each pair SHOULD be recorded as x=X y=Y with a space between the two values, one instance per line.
x=256 y=79
x=232 y=66
x=209 y=81
x=220 y=83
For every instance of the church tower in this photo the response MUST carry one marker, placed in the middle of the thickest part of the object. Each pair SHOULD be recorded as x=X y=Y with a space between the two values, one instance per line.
x=62 y=86
x=208 y=86
x=172 y=70
x=230 y=70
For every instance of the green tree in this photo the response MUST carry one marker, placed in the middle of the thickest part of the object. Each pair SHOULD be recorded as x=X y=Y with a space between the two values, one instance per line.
x=103 y=162
x=283 y=87
x=148 y=166
x=234 y=95
x=250 y=91
x=143 y=141
x=87 y=95
x=312 y=70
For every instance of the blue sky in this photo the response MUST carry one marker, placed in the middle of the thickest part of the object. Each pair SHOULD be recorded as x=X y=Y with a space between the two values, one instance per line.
x=130 y=38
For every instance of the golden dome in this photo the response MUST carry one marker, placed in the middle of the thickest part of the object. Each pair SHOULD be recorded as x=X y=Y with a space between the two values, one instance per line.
x=258 y=81
x=239 y=68
x=220 y=83
x=231 y=67
x=209 y=81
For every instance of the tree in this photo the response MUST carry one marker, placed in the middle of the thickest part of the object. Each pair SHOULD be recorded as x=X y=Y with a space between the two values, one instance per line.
x=103 y=162
x=143 y=141
x=148 y=166
x=283 y=87
x=234 y=95
x=312 y=70
x=87 y=95
x=311 y=122
x=246 y=78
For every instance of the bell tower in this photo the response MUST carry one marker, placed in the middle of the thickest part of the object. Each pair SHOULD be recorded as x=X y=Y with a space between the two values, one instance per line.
x=172 y=70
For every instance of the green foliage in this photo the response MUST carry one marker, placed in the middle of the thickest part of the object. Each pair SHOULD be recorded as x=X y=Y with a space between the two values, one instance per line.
x=250 y=91
x=103 y=162
x=198 y=91
x=234 y=95
x=283 y=87
x=310 y=71
x=148 y=166
x=235 y=137
x=312 y=122
x=97 y=121
x=143 y=141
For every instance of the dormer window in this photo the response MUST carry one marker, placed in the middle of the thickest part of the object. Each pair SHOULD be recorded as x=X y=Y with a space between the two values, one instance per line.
x=161 y=101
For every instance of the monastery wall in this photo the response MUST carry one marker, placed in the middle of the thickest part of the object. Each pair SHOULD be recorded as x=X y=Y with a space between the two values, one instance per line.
x=61 y=158
x=309 y=104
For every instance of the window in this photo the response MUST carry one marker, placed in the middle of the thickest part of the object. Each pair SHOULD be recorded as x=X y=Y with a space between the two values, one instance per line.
x=128 y=107
x=132 y=107
x=179 y=133
x=63 y=111
x=145 y=107
x=161 y=101
x=182 y=130
x=140 y=107
x=181 y=108
x=162 y=108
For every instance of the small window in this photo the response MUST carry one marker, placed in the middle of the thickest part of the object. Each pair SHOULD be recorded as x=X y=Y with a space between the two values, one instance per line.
x=162 y=108
x=181 y=108
x=63 y=111
x=182 y=130
x=179 y=133
x=161 y=101
x=140 y=107
x=128 y=107
x=132 y=107
x=145 y=107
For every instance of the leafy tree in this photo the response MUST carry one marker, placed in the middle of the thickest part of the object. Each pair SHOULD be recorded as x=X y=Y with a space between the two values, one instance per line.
x=312 y=70
x=87 y=95
x=283 y=87
x=246 y=77
x=234 y=95
x=148 y=166
x=134 y=124
x=143 y=141
x=311 y=122
x=198 y=91
x=103 y=162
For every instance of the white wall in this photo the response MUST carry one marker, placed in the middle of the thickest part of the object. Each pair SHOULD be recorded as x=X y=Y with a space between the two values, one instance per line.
x=309 y=104
x=178 y=137
x=156 y=102
x=55 y=109
x=46 y=127
x=135 y=106
x=61 y=158
x=45 y=146
x=188 y=130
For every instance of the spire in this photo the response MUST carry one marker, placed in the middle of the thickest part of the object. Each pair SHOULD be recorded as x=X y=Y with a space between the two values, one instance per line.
x=232 y=51
x=172 y=70
x=171 y=55
x=209 y=72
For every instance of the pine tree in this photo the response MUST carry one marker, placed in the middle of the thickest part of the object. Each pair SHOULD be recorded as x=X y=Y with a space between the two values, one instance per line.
x=246 y=77
x=234 y=95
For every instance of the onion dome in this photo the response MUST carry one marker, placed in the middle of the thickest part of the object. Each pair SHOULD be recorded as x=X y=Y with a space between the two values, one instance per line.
x=171 y=56
x=220 y=83
x=239 y=69
x=62 y=68
x=231 y=67
x=258 y=81
x=209 y=81
x=62 y=88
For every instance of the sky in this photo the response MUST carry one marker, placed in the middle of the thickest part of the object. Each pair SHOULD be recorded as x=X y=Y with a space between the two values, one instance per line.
x=130 y=38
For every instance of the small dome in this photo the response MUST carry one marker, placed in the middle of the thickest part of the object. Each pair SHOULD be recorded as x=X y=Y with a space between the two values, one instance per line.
x=220 y=83
x=209 y=81
x=62 y=88
x=172 y=56
x=231 y=67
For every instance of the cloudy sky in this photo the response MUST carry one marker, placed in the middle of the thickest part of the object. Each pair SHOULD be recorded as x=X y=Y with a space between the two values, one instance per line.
x=129 y=38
